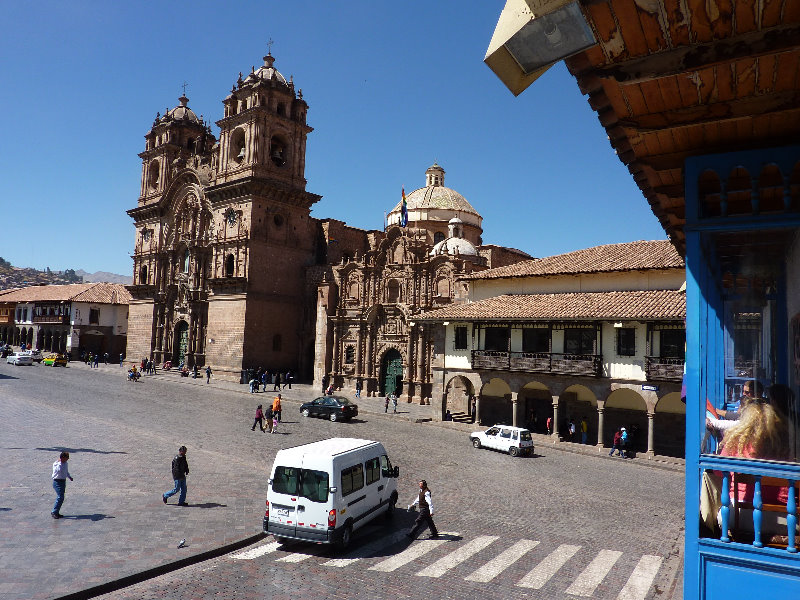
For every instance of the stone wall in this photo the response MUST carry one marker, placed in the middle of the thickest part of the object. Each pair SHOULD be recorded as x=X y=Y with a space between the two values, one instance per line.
x=225 y=335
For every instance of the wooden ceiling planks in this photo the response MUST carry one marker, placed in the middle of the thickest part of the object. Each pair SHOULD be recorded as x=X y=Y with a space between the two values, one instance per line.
x=626 y=11
x=677 y=22
x=746 y=17
x=686 y=77
x=772 y=13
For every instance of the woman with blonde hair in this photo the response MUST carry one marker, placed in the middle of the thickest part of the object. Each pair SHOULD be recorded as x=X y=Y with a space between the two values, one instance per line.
x=761 y=432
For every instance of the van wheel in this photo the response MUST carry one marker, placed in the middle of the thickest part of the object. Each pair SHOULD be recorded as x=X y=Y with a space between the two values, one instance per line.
x=391 y=508
x=305 y=412
x=334 y=417
x=513 y=451
x=476 y=443
x=347 y=535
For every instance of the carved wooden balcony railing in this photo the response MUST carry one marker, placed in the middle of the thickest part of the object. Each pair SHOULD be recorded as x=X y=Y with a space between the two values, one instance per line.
x=538 y=362
x=663 y=369
x=52 y=319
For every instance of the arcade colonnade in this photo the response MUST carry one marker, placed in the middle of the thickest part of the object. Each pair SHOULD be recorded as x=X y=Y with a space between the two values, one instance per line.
x=654 y=414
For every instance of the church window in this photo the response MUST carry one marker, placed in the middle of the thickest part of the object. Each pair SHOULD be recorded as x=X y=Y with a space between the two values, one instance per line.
x=279 y=151
x=438 y=237
x=237 y=146
x=185 y=261
x=276 y=342
x=143 y=275
x=352 y=291
x=153 y=175
x=393 y=291
x=278 y=220
x=282 y=109
x=443 y=287
x=229 y=264
x=350 y=355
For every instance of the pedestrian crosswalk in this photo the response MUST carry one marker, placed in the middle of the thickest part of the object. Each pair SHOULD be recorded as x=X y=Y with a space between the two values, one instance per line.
x=543 y=566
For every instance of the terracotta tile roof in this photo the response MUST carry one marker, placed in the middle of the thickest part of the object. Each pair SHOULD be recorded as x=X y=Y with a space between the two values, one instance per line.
x=100 y=293
x=632 y=306
x=631 y=256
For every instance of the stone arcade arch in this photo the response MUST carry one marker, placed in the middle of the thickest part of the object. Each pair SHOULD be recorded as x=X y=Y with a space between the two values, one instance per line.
x=495 y=404
x=625 y=407
x=669 y=430
x=534 y=406
x=459 y=393
x=576 y=402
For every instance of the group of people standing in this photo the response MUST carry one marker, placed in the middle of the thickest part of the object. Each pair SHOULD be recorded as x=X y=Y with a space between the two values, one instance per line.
x=272 y=416
x=262 y=378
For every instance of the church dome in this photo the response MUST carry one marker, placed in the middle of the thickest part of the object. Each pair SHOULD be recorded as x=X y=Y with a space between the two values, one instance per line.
x=182 y=112
x=436 y=196
x=454 y=246
x=267 y=72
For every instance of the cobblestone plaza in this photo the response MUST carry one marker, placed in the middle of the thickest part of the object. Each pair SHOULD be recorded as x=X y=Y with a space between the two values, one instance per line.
x=560 y=524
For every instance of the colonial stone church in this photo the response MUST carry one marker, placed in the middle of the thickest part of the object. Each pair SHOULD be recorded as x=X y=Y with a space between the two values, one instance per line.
x=231 y=270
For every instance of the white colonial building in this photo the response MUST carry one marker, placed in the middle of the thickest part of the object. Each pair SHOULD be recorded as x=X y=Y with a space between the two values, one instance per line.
x=596 y=334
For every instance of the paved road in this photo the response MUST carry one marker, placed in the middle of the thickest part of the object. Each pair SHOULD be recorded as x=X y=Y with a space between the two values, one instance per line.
x=560 y=524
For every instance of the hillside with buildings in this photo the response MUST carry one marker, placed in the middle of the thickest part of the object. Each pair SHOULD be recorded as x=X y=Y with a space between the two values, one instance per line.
x=16 y=277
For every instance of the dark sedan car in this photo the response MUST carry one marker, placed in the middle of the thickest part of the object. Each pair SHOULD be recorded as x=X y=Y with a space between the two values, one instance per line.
x=334 y=408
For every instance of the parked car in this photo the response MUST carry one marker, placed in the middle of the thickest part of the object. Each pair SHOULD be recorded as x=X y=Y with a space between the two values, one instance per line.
x=34 y=354
x=20 y=359
x=55 y=360
x=514 y=440
x=334 y=408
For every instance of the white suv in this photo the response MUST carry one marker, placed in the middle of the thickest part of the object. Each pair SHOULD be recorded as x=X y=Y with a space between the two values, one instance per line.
x=514 y=440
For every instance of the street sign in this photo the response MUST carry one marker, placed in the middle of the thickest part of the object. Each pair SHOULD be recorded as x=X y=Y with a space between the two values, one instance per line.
x=650 y=388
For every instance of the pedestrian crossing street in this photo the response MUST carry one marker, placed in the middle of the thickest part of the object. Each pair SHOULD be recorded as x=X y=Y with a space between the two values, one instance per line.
x=544 y=567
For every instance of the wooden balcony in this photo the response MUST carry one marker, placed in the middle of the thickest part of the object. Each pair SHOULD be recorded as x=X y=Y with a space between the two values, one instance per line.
x=51 y=319
x=589 y=365
x=663 y=369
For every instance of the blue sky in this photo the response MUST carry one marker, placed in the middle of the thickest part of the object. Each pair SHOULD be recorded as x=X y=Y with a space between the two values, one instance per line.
x=391 y=87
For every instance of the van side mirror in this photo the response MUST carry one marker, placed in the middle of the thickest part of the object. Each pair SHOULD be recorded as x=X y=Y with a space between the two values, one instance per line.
x=396 y=472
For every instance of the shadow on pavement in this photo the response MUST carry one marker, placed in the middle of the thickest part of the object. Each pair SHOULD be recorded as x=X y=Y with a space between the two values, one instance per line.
x=94 y=517
x=76 y=450
x=207 y=505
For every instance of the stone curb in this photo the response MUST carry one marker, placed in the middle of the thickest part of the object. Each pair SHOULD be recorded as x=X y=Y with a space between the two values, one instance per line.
x=129 y=580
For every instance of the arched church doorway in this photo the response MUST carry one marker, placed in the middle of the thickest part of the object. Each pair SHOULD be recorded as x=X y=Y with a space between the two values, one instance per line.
x=181 y=343
x=392 y=373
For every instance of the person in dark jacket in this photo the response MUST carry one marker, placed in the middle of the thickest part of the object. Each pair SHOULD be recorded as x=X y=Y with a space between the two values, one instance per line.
x=180 y=469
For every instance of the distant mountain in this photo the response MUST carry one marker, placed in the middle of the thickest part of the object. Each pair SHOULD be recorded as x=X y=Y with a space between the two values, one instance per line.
x=103 y=276
x=14 y=277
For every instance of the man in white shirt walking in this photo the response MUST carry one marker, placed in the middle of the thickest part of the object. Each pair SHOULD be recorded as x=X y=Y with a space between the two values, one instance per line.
x=60 y=476
x=425 y=503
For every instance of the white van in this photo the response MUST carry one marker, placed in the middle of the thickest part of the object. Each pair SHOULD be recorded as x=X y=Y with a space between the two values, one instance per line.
x=322 y=492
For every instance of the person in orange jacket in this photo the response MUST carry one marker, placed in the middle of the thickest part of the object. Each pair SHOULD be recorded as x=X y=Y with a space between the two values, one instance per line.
x=276 y=407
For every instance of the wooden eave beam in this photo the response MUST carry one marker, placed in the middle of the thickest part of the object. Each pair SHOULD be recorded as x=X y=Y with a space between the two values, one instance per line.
x=701 y=56
x=717 y=112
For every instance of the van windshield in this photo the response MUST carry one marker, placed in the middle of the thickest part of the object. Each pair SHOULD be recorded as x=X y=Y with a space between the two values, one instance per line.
x=306 y=483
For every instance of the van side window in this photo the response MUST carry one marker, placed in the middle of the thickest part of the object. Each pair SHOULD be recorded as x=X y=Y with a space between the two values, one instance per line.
x=373 y=470
x=285 y=480
x=505 y=433
x=386 y=466
x=352 y=479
